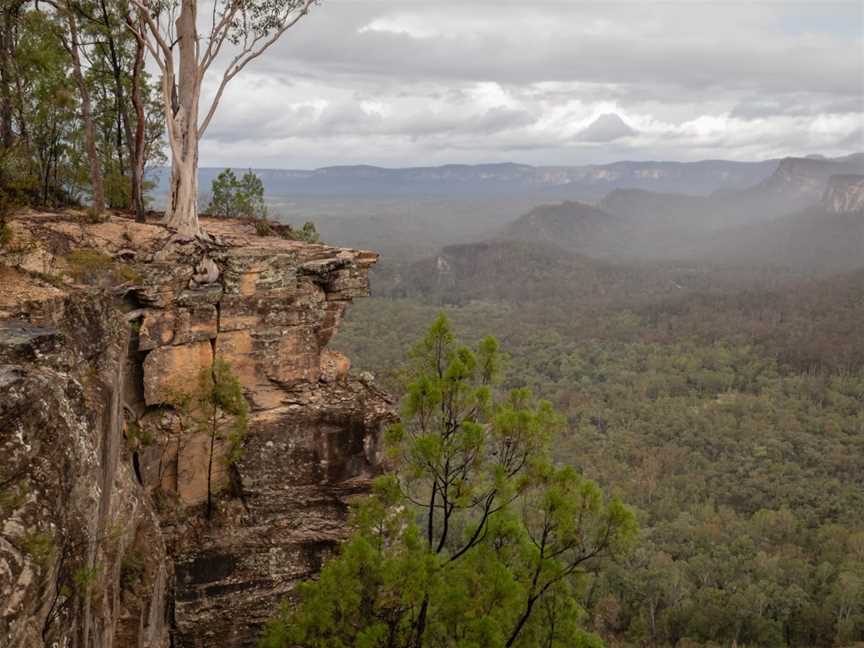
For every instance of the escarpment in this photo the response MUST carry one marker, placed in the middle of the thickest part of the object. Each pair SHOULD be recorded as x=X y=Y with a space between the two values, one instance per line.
x=844 y=194
x=103 y=537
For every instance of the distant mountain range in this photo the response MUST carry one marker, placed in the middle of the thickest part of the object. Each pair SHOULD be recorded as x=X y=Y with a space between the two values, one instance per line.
x=589 y=182
x=648 y=225
x=807 y=217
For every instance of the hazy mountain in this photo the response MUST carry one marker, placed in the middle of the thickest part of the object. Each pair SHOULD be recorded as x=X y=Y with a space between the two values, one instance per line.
x=784 y=220
x=796 y=184
x=827 y=237
x=533 y=271
x=588 y=182
x=575 y=227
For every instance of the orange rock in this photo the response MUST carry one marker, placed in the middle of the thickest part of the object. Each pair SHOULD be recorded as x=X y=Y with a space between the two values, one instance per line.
x=168 y=368
x=334 y=366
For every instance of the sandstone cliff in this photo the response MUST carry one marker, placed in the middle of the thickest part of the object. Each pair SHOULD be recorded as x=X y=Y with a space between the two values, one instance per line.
x=102 y=538
x=844 y=194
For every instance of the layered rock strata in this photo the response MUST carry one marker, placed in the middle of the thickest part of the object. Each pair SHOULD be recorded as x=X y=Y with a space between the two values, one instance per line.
x=104 y=541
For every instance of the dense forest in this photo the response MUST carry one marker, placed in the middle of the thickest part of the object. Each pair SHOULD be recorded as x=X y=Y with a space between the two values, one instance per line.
x=79 y=115
x=732 y=421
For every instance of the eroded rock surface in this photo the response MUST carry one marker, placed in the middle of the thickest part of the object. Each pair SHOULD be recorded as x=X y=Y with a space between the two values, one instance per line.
x=844 y=194
x=107 y=323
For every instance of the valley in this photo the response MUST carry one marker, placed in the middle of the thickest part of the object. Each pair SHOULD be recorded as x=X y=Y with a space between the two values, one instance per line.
x=711 y=373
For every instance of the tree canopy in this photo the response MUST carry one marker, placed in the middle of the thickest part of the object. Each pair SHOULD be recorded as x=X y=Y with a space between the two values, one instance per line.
x=232 y=196
x=475 y=537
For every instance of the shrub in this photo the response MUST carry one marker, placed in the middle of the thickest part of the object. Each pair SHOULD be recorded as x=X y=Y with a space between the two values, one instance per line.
x=40 y=546
x=138 y=436
x=89 y=266
x=307 y=233
x=132 y=568
x=94 y=217
x=84 y=578
x=263 y=228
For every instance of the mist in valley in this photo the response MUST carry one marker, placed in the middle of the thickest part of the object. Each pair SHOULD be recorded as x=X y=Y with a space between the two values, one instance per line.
x=469 y=324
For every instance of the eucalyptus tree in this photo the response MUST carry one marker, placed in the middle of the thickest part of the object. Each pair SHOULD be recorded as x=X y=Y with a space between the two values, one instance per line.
x=238 y=30
x=70 y=36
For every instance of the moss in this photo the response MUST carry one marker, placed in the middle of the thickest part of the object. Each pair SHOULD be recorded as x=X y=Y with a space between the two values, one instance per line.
x=51 y=279
x=90 y=377
x=132 y=568
x=84 y=263
x=138 y=436
x=12 y=498
x=91 y=265
x=40 y=546
x=127 y=273
x=84 y=577
x=5 y=234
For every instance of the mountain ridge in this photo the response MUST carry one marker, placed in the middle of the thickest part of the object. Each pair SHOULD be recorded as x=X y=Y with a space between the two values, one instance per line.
x=586 y=182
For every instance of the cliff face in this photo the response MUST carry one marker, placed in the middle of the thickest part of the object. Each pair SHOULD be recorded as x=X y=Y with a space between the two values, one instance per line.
x=806 y=179
x=104 y=541
x=844 y=194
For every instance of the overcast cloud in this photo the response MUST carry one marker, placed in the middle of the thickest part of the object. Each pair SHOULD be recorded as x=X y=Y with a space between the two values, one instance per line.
x=410 y=83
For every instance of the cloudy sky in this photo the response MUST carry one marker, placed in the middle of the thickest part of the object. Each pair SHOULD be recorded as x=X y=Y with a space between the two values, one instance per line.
x=412 y=82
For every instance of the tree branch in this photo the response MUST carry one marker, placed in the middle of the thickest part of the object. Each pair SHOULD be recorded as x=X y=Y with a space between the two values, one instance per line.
x=244 y=58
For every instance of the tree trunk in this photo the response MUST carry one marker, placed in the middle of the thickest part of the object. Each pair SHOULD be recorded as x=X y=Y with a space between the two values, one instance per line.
x=522 y=621
x=87 y=116
x=213 y=431
x=124 y=128
x=138 y=155
x=182 y=213
x=420 y=624
x=6 y=53
x=183 y=210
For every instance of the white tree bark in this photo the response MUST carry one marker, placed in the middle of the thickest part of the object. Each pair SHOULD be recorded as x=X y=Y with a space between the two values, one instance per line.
x=182 y=117
x=181 y=89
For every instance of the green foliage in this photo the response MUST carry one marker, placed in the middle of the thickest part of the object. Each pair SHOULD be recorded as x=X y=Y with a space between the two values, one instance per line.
x=85 y=577
x=12 y=498
x=237 y=197
x=222 y=410
x=475 y=538
x=40 y=546
x=5 y=234
x=132 y=568
x=217 y=408
x=139 y=436
x=745 y=463
x=263 y=228
x=307 y=233
x=45 y=166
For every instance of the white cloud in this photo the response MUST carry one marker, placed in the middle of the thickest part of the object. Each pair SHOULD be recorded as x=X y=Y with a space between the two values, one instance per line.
x=413 y=83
